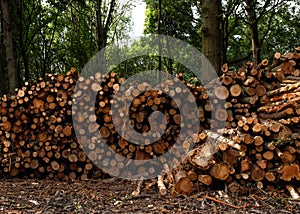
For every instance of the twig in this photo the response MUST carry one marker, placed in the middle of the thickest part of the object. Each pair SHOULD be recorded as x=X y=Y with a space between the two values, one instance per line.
x=138 y=189
x=149 y=185
x=288 y=207
x=293 y=199
x=223 y=202
x=169 y=174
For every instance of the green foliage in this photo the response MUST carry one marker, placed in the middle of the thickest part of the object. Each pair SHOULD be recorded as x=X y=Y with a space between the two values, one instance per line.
x=53 y=35
x=177 y=19
x=278 y=26
x=284 y=32
x=142 y=56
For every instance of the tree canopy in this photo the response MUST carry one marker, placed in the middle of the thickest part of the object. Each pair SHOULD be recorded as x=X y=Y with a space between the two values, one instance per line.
x=52 y=36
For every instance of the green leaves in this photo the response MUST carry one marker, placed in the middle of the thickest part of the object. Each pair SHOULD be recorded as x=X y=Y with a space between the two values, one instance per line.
x=54 y=35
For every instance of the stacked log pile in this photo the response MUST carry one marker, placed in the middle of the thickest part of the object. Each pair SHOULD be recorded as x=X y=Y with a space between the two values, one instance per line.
x=259 y=144
x=140 y=102
x=36 y=132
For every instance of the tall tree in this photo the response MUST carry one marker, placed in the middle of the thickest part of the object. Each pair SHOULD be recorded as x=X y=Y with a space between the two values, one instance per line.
x=284 y=31
x=257 y=12
x=253 y=29
x=211 y=17
x=159 y=40
x=8 y=35
x=177 y=20
x=105 y=19
x=2 y=58
x=253 y=22
x=109 y=15
x=36 y=24
x=229 y=22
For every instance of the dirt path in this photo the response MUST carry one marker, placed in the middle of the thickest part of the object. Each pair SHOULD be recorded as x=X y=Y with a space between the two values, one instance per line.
x=114 y=196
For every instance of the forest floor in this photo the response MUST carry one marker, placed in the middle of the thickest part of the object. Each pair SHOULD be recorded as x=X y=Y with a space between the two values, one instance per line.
x=115 y=196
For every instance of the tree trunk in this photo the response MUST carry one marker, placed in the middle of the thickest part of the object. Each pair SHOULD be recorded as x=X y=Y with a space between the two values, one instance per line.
x=22 y=45
x=253 y=21
x=104 y=22
x=100 y=28
x=11 y=61
x=21 y=37
x=211 y=34
x=2 y=58
x=225 y=40
x=26 y=65
x=2 y=71
x=159 y=42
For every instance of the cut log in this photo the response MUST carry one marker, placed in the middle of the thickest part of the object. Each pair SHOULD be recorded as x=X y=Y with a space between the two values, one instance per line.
x=235 y=90
x=220 y=171
x=183 y=184
x=289 y=171
x=257 y=173
x=205 y=179
x=221 y=92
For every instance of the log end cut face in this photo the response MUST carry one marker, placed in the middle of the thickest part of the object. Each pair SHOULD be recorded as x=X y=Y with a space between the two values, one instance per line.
x=289 y=171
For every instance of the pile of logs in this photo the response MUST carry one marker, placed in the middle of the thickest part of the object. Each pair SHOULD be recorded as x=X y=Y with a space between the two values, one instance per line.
x=259 y=142
x=36 y=131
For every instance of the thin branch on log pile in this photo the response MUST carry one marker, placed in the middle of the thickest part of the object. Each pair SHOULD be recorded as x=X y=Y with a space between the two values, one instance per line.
x=292 y=78
x=283 y=89
x=278 y=106
x=277 y=115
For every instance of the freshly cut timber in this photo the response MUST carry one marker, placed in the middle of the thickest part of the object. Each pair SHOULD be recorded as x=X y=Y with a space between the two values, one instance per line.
x=249 y=128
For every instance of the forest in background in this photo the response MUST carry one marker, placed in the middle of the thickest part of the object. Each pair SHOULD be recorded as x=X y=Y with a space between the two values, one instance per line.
x=51 y=36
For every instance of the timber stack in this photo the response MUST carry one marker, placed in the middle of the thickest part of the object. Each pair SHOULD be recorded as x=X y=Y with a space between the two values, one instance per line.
x=259 y=142
x=36 y=131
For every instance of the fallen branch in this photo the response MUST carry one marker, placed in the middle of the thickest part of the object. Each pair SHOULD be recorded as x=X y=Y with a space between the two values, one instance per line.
x=161 y=186
x=138 y=189
x=223 y=202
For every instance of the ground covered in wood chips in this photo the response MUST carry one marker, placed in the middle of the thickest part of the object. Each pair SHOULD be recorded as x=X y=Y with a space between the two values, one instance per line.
x=115 y=196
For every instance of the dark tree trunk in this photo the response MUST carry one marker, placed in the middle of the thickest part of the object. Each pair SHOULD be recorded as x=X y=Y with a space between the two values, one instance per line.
x=253 y=21
x=26 y=65
x=2 y=59
x=104 y=22
x=225 y=39
x=2 y=82
x=159 y=42
x=11 y=61
x=211 y=35
x=22 y=46
x=100 y=28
